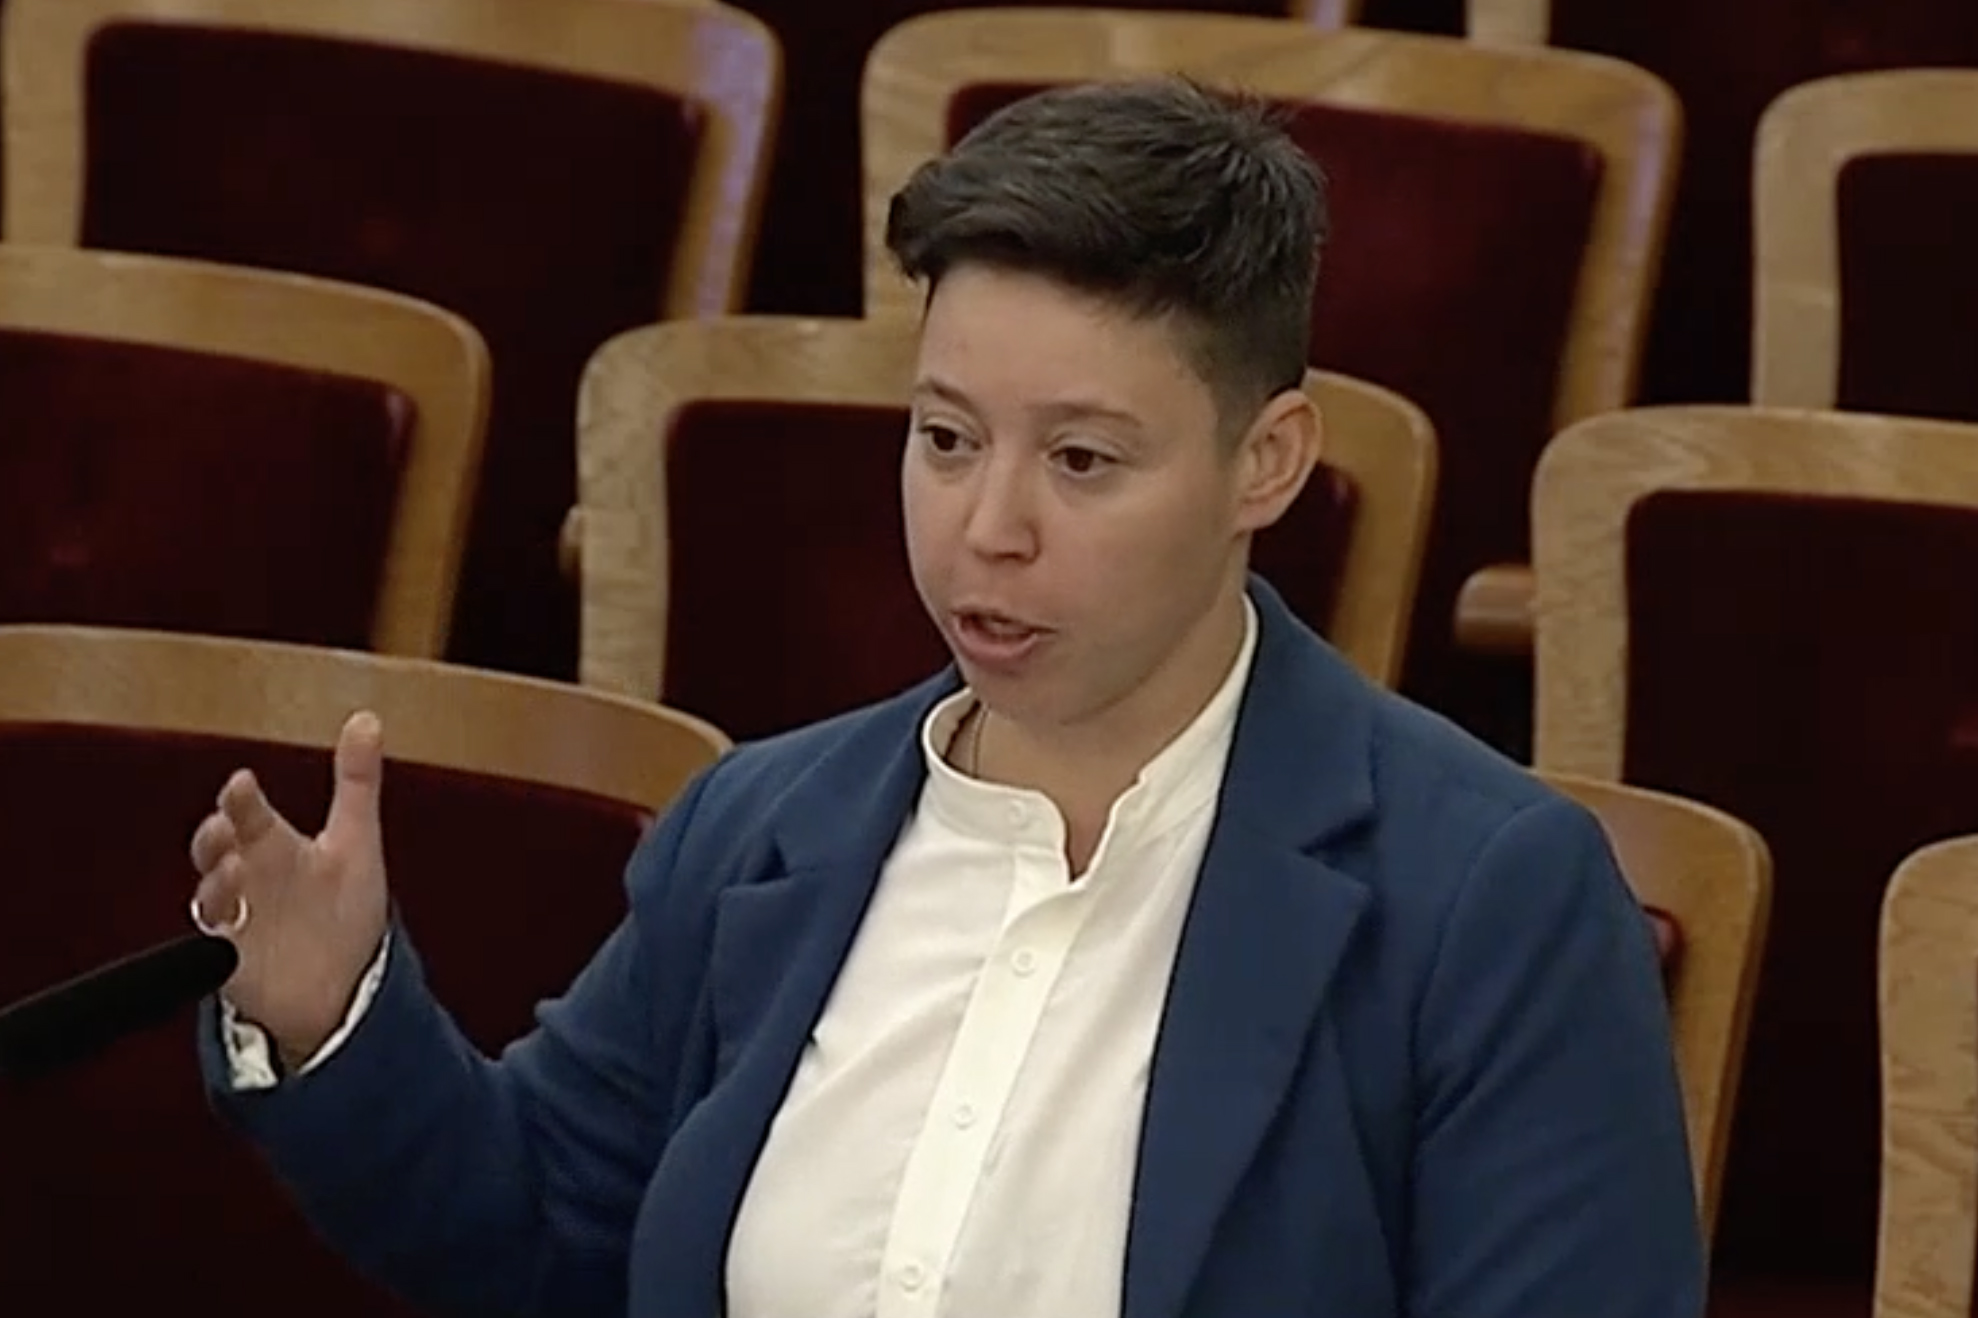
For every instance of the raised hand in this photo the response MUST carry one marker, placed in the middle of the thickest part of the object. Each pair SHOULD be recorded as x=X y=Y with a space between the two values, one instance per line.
x=306 y=913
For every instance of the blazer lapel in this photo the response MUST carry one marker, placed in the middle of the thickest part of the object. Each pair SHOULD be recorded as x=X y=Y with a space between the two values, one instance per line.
x=1268 y=927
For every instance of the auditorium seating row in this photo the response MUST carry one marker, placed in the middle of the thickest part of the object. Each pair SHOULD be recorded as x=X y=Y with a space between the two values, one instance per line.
x=1758 y=608
x=1762 y=609
x=560 y=172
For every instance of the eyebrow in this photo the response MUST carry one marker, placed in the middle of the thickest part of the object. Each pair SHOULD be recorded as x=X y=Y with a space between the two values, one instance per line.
x=1069 y=409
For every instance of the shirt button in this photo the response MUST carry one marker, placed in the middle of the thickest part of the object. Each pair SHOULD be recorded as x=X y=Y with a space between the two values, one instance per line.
x=1024 y=962
x=964 y=1115
x=911 y=1276
x=1019 y=814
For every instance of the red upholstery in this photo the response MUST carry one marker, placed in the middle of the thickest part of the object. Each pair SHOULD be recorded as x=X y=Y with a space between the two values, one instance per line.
x=507 y=889
x=1445 y=17
x=791 y=598
x=1810 y=665
x=1737 y=1297
x=791 y=595
x=1304 y=555
x=1727 y=62
x=541 y=207
x=1909 y=285
x=150 y=487
x=1449 y=277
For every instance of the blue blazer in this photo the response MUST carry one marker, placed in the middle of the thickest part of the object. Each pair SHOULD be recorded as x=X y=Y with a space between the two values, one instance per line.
x=1415 y=1058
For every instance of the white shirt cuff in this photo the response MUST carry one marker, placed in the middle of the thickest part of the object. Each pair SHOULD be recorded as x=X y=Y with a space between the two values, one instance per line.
x=250 y=1053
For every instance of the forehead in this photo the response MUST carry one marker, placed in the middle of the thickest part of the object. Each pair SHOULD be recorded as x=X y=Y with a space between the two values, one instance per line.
x=999 y=333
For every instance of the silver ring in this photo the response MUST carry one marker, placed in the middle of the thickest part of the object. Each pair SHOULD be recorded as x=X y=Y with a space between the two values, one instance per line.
x=229 y=930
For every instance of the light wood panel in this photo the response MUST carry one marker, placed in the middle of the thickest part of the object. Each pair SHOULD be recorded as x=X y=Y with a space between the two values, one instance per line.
x=1928 y=972
x=517 y=728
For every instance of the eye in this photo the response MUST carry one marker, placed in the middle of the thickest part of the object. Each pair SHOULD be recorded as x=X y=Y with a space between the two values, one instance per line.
x=1082 y=461
x=943 y=440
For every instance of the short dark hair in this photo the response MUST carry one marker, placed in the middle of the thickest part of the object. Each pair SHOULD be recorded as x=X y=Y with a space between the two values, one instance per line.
x=1161 y=195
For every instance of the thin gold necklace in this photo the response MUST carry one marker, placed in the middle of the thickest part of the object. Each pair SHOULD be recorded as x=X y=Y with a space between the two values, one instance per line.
x=980 y=720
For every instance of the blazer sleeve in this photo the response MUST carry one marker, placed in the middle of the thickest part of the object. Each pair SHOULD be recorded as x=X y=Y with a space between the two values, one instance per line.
x=1551 y=1173
x=510 y=1185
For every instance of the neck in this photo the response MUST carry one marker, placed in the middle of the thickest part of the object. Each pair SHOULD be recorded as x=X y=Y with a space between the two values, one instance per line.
x=1083 y=767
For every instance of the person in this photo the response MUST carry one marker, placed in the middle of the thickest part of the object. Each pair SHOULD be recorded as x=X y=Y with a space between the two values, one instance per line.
x=1147 y=963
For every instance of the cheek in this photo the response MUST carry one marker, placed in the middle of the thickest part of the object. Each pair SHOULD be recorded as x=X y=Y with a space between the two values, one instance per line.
x=1143 y=572
x=1159 y=537
x=922 y=522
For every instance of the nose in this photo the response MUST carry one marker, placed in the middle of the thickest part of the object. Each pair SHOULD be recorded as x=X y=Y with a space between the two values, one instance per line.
x=1002 y=520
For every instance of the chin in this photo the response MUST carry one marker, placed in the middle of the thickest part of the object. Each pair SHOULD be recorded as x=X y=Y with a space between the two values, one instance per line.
x=1017 y=698
x=1034 y=705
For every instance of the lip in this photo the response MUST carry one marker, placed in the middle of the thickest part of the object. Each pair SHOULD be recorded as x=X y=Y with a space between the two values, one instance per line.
x=994 y=648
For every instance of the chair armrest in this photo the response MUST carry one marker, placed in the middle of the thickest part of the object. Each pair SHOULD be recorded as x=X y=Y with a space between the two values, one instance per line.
x=1494 y=610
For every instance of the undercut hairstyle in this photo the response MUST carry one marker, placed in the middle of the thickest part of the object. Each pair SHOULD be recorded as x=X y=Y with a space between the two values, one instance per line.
x=1162 y=197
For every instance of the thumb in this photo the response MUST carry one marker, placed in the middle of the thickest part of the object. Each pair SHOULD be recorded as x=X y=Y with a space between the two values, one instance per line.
x=360 y=771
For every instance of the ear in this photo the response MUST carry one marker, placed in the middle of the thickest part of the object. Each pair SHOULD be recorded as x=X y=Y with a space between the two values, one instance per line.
x=1276 y=458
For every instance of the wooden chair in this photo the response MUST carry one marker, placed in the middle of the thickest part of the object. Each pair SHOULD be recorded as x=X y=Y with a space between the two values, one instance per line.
x=1708 y=877
x=511 y=806
x=1510 y=202
x=1727 y=62
x=1929 y=1020
x=204 y=448
x=742 y=550
x=1866 y=282
x=554 y=173
x=1775 y=612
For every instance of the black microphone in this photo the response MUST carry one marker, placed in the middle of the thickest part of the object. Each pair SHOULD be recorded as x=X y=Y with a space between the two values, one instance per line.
x=72 y=1022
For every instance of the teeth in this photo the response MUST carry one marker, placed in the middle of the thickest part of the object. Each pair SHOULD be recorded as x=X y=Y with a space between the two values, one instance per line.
x=1001 y=629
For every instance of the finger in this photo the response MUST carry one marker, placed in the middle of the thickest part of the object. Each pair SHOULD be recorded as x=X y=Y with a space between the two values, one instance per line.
x=217 y=901
x=360 y=771
x=213 y=839
x=242 y=801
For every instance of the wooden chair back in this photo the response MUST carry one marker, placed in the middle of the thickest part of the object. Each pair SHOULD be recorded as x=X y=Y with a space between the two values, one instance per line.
x=1929 y=1018
x=1866 y=185
x=375 y=394
x=720 y=460
x=1710 y=876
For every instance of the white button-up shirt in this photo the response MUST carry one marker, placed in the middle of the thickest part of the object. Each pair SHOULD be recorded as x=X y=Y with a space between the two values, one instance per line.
x=961 y=1135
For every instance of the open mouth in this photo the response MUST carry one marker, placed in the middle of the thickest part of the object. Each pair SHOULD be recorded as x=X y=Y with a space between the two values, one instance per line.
x=995 y=639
